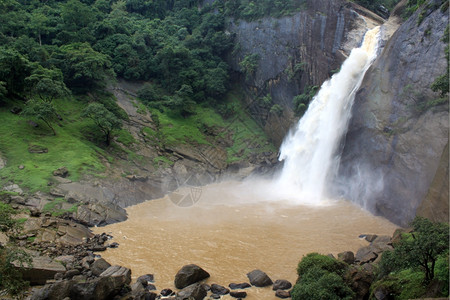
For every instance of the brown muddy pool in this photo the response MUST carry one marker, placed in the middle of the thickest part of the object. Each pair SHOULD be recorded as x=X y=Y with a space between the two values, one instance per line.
x=233 y=229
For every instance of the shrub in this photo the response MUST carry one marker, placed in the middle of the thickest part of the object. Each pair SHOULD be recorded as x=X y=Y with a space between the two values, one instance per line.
x=322 y=262
x=320 y=284
x=321 y=277
x=10 y=276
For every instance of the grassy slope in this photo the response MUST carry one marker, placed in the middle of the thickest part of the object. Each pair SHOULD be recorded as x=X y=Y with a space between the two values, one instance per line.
x=68 y=148
x=72 y=146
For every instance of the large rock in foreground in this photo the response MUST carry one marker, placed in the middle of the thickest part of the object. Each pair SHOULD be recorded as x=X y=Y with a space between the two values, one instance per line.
x=188 y=275
x=259 y=278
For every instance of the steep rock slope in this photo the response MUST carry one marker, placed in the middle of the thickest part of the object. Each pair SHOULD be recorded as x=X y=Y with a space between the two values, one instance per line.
x=294 y=52
x=398 y=133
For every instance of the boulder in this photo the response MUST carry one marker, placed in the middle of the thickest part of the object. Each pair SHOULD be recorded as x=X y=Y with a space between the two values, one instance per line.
x=281 y=284
x=360 y=280
x=347 y=257
x=61 y=172
x=282 y=294
x=120 y=272
x=100 y=288
x=194 y=291
x=43 y=268
x=146 y=279
x=365 y=254
x=37 y=149
x=188 y=275
x=166 y=292
x=238 y=294
x=99 y=266
x=4 y=239
x=56 y=291
x=259 y=278
x=219 y=290
x=237 y=286
x=370 y=237
x=99 y=214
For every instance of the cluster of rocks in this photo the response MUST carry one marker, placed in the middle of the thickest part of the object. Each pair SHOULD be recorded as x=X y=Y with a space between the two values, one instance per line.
x=95 y=278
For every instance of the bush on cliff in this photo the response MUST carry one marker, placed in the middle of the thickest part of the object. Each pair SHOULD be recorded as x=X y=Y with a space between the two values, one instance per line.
x=321 y=277
x=419 y=260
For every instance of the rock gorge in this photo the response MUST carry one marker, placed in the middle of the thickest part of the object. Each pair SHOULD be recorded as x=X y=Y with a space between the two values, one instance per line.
x=394 y=161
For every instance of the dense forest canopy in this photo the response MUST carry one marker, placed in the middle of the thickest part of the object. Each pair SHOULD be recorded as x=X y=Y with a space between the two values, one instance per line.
x=53 y=47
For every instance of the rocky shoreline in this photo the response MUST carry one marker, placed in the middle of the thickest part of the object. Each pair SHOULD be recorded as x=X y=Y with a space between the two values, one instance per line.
x=76 y=272
x=66 y=263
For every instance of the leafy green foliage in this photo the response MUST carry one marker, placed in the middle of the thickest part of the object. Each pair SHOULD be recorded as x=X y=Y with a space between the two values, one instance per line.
x=321 y=277
x=41 y=110
x=46 y=83
x=322 y=262
x=10 y=276
x=69 y=148
x=406 y=284
x=419 y=251
x=302 y=101
x=249 y=64
x=105 y=120
x=381 y=7
x=6 y=220
x=251 y=10
x=56 y=207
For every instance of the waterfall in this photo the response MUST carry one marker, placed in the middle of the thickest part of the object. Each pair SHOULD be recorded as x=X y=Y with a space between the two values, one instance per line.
x=309 y=151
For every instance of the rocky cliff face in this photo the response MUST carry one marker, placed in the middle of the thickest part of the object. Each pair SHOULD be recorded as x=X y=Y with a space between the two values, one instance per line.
x=398 y=133
x=295 y=52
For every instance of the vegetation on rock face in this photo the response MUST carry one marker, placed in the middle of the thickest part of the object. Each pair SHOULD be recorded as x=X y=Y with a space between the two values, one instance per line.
x=321 y=277
x=419 y=258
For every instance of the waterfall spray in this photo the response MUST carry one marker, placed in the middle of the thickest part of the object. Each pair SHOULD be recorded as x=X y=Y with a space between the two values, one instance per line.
x=309 y=151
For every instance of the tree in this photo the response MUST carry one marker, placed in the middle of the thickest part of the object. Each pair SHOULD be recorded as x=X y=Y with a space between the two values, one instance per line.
x=105 y=120
x=321 y=277
x=14 y=68
x=83 y=67
x=48 y=84
x=420 y=249
x=249 y=64
x=41 y=110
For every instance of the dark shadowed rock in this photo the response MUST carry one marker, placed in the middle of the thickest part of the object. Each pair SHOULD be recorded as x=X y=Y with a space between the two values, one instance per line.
x=281 y=284
x=365 y=254
x=42 y=269
x=118 y=272
x=166 y=292
x=101 y=288
x=37 y=149
x=99 y=266
x=238 y=294
x=219 y=290
x=360 y=280
x=188 y=275
x=370 y=237
x=58 y=290
x=61 y=172
x=347 y=257
x=146 y=279
x=237 y=286
x=259 y=278
x=282 y=294
x=150 y=287
x=194 y=291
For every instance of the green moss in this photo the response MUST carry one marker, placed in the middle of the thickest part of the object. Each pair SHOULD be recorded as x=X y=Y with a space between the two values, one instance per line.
x=162 y=161
x=124 y=137
x=68 y=148
x=407 y=284
x=55 y=207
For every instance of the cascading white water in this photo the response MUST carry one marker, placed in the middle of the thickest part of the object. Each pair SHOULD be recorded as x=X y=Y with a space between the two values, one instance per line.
x=309 y=151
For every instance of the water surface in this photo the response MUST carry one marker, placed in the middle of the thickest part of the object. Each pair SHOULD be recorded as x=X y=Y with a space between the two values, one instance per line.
x=235 y=228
